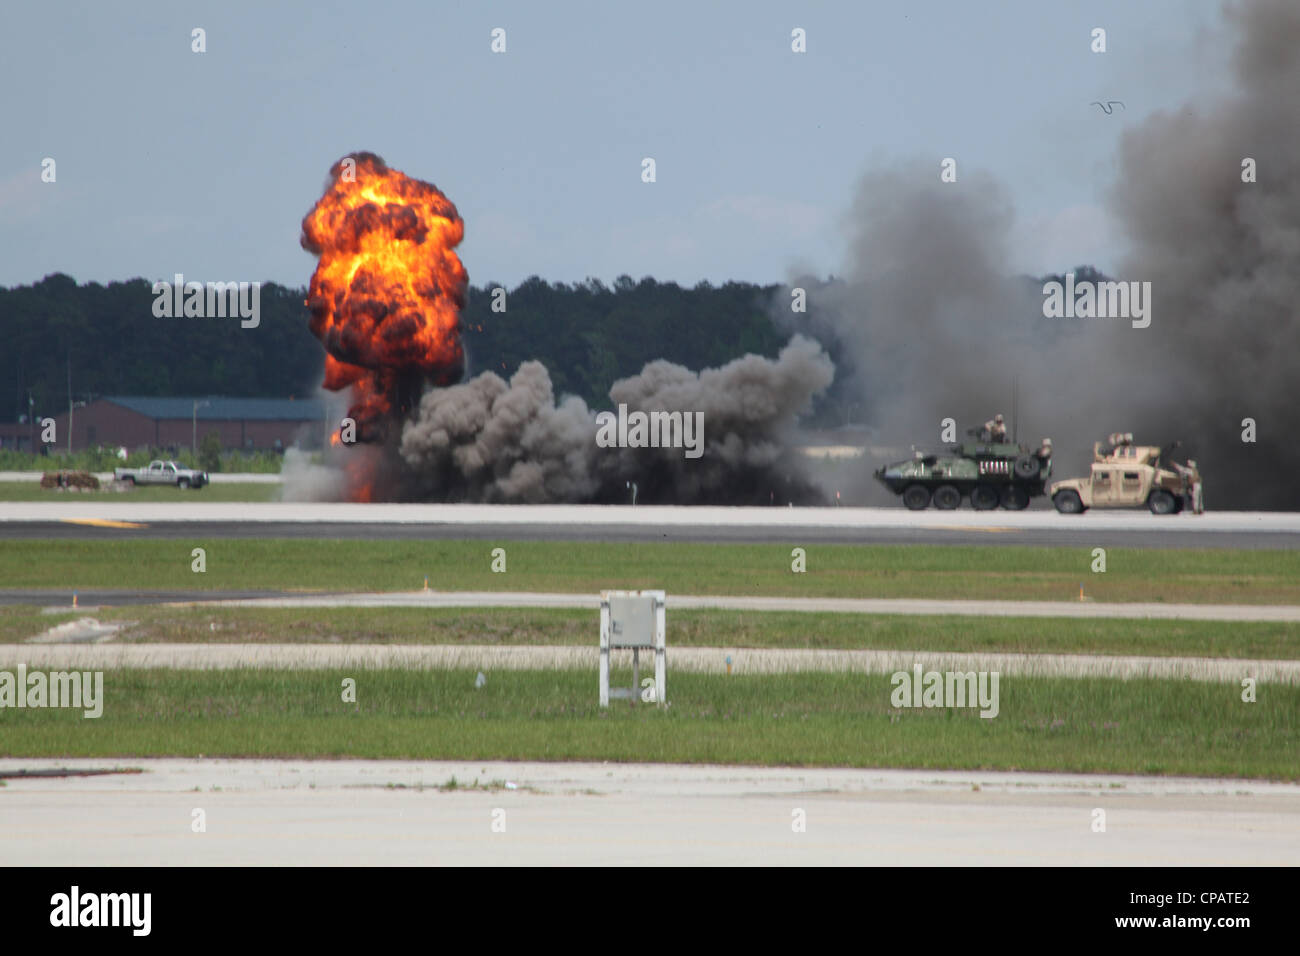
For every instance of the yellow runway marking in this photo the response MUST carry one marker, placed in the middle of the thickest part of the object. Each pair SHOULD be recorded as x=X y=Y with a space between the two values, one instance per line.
x=103 y=523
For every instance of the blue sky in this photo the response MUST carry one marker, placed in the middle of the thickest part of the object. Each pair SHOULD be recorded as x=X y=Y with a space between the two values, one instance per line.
x=171 y=161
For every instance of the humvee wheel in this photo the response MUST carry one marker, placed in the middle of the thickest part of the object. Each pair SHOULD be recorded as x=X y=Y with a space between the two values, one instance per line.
x=1015 y=498
x=1161 y=503
x=984 y=498
x=1068 y=502
x=1026 y=466
x=947 y=498
x=916 y=497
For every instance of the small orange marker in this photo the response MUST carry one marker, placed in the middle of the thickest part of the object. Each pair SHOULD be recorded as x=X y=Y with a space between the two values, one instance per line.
x=74 y=598
x=1081 y=597
x=426 y=582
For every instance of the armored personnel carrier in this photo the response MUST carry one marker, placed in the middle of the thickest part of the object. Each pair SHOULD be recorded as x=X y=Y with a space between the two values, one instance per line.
x=1125 y=475
x=990 y=473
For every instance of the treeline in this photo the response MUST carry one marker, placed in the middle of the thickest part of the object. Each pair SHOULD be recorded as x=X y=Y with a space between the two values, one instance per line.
x=109 y=340
x=588 y=335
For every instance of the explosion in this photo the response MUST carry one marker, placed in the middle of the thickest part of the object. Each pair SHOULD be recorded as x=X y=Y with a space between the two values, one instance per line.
x=385 y=301
x=386 y=296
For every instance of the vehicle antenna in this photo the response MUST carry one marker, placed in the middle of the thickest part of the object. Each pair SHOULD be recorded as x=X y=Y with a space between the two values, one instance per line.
x=1015 y=415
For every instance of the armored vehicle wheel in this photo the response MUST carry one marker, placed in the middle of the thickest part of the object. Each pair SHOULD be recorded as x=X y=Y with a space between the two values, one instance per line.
x=1068 y=502
x=916 y=497
x=1026 y=466
x=947 y=498
x=1161 y=503
x=1015 y=498
x=984 y=498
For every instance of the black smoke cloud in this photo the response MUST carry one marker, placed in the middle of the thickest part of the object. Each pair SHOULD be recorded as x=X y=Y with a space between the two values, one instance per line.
x=1223 y=257
x=496 y=441
x=928 y=324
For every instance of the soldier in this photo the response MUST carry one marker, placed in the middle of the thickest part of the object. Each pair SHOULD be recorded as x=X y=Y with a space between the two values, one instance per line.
x=1198 y=497
x=996 y=428
x=1191 y=477
x=1044 y=456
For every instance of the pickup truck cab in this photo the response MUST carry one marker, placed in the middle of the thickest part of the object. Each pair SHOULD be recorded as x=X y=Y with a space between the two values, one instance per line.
x=162 y=473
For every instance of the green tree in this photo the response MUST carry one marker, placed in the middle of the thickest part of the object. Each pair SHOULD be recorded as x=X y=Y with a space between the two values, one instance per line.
x=210 y=452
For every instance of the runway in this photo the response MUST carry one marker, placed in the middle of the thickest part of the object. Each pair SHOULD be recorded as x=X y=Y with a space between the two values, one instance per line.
x=88 y=600
x=904 y=606
x=92 y=517
x=368 y=813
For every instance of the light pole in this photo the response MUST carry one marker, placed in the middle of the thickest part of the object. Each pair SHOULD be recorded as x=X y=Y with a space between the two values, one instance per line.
x=72 y=405
x=194 y=434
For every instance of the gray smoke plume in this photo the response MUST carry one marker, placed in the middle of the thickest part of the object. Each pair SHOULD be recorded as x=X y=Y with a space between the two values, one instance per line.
x=304 y=480
x=492 y=440
x=928 y=325
x=1223 y=258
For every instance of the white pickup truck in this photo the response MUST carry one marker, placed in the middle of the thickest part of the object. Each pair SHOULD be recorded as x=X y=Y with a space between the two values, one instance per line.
x=162 y=473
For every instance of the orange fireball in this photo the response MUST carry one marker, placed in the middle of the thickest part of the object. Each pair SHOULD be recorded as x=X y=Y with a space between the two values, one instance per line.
x=386 y=296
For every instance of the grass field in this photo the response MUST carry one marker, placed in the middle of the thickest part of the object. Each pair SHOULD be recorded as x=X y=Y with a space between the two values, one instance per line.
x=919 y=571
x=32 y=491
x=1079 y=725
x=546 y=626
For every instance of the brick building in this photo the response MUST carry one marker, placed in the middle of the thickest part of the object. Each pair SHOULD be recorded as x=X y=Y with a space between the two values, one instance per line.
x=19 y=436
x=244 y=423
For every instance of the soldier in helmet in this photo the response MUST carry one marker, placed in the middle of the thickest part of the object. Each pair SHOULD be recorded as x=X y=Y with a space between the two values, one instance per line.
x=996 y=428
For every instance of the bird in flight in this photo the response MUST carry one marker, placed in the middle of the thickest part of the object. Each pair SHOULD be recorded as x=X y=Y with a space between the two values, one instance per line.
x=1109 y=104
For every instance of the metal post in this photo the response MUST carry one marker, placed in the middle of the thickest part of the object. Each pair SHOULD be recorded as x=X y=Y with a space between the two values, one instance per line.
x=194 y=436
x=661 y=693
x=636 y=673
x=604 y=652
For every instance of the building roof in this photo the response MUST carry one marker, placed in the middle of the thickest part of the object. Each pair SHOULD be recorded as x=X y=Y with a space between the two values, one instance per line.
x=215 y=408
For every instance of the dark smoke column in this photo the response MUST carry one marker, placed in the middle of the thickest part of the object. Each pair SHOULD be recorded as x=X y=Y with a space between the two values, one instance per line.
x=1223 y=258
x=386 y=296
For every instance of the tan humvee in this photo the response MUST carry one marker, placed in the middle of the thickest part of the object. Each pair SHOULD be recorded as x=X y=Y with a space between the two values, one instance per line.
x=1125 y=475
